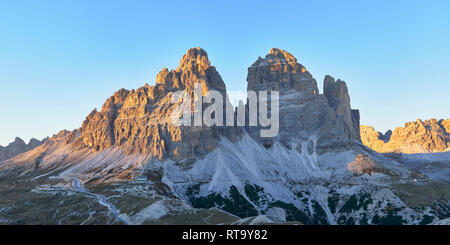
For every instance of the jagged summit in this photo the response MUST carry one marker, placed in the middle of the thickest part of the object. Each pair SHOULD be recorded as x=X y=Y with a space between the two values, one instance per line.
x=281 y=55
x=280 y=71
x=139 y=121
x=275 y=56
x=194 y=67
x=328 y=116
x=194 y=57
x=18 y=141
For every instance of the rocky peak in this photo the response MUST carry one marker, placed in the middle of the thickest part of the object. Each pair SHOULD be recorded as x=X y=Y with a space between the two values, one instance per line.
x=139 y=121
x=280 y=71
x=304 y=113
x=336 y=91
x=194 y=67
x=276 y=54
x=34 y=143
x=195 y=58
x=339 y=99
x=18 y=142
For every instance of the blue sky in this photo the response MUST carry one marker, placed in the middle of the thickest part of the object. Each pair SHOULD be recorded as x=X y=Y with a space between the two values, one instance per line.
x=61 y=59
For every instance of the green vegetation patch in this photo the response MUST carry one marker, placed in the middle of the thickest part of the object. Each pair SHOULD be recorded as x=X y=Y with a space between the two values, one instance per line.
x=354 y=203
x=236 y=204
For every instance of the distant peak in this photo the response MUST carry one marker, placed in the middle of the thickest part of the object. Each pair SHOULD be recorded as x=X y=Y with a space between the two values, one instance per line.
x=33 y=141
x=19 y=140
x=329 y=78
x=194 y=56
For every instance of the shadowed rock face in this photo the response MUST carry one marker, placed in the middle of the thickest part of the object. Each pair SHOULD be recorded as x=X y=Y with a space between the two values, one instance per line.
x=319 y=120
x=415 y=137
x=339 y=99
x=140 y=120
x=17 y=147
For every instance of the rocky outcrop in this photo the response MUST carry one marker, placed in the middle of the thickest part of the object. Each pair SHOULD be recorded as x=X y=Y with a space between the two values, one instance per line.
x=415 y=137
x=17 y=147
x=139 y=121
x=363 y=164
x=321 y=121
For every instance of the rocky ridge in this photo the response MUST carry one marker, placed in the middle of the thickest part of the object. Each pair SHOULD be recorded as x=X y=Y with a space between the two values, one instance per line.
x=17 y=147
x=415 y=137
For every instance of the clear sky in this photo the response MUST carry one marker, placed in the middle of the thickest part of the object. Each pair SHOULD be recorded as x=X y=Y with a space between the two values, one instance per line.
x=61 y=59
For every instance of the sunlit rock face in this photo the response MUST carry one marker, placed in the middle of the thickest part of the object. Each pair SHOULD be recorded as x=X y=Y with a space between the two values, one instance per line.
x=322 y=121
x=363 y=164
x=194 y=68
x=372 y=138
x=415 y=137
x=140 y=120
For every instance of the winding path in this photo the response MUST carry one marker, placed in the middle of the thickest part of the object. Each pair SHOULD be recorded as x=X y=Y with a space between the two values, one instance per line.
x=78 y=186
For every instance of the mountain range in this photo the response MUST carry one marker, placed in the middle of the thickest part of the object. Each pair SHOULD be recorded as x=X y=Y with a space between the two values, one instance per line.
x=17 y=147
x=128 y=163
x=415 y=137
